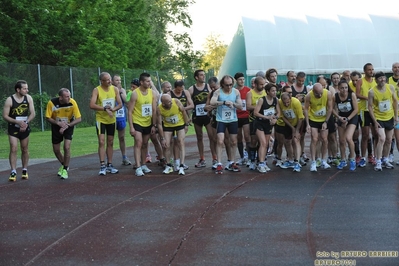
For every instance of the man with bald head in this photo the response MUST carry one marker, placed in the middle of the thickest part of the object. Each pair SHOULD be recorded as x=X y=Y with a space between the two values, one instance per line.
x=105 y=100
x=317 y=110
x=172 y=118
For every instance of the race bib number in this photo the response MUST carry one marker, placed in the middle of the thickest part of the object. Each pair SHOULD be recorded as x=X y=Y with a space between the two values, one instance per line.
x=321 y=112
x=62 y=119
x=244 y=105
x=384 y=106
x=344 y=107
x=289 y=114
x=120 y=112
x=146 y=110
x=269 y=112
x=200 y=110
x=20 y=118
x=109 y=102
x=172 y=119
x=227 y=113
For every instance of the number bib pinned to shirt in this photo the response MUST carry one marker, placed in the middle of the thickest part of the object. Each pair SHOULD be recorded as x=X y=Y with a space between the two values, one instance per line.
x=200 y=110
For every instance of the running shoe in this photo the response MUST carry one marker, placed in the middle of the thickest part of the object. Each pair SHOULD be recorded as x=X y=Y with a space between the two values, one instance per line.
x=162 y=162
x=126 y=161
x=267 y=167
x=304 y=157
x=25 y=174
x=287 y=164
x=318 y=162
x=352 y=165
x=313 y=167
x=145 y=169
x=60 y=170
x=139 y=171
x=387 y=164
x=148 y=159
x=342 y=164
x=111 y=169
x=215 y=165
x=261 y=168
x=235 y=167
x=297 y=167
x=279 y=163
x=181 y=170
x=168 y=170
x=378 y=166
x=325 y=165
x=372 y=160
x=358 y=158
x=391 y=158
x=362 y=162
x=335 y=161
x=201 y=163
x=252 y=166
x=228 y=166
x=219 y=169
x=13 y=177
x=302 y=161
x=103 y=170
x=185 y=166
x=64 y=174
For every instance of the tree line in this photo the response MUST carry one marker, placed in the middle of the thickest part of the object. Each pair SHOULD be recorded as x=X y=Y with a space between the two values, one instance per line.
x=112 y=34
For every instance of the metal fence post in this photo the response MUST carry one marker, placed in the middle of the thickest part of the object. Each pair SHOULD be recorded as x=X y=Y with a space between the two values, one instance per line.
x=71 y=80
x=40 y=93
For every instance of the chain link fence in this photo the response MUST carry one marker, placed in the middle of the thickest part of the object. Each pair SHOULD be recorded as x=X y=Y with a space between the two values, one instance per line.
x=44 y=82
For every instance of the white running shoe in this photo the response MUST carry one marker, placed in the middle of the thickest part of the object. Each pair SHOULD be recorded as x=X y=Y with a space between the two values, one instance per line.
x=313 y=167
x=139 y=172
x=145 y=169
x=168 y=170
x=181 y=171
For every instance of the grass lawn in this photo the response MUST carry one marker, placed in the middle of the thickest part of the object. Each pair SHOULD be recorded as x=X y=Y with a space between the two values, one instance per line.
x=84 y=142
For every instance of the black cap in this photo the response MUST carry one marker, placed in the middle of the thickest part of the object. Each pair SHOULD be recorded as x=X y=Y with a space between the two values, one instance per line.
x=136 y=82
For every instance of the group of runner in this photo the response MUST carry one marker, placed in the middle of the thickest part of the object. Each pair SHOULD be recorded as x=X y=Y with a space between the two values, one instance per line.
x=259 y=121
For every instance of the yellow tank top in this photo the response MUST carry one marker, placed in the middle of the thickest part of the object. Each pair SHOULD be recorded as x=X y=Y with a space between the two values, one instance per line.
x=395 y=85
x=106 y=98
x=255 y=97
x=292 y=113
x=364 y=91
x=171 y=117
x=318 y=107
x=382 y=104
x=142 y=113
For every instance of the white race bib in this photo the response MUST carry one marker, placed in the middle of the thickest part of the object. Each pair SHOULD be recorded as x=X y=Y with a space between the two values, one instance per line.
x=172 y=119
x=109 y=102
x=244 y=105
x=269 y=112
x=120 y=112
x=321 y=112
x=227 y=113
x=344 y=107
x=146 y=110
x=289 y=114
x=62 y=119
x=20 y=118
x=384 y=106
x=200 y=110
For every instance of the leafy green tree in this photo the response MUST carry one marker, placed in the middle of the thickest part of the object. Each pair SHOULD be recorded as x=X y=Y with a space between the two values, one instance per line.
x=215 y=51
x=106 y=33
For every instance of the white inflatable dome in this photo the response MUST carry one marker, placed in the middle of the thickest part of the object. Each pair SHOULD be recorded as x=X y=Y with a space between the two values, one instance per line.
x=316 y=45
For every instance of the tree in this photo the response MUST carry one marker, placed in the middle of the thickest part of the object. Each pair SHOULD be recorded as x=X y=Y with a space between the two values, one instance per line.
x=91 y=33
x=215 y=51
